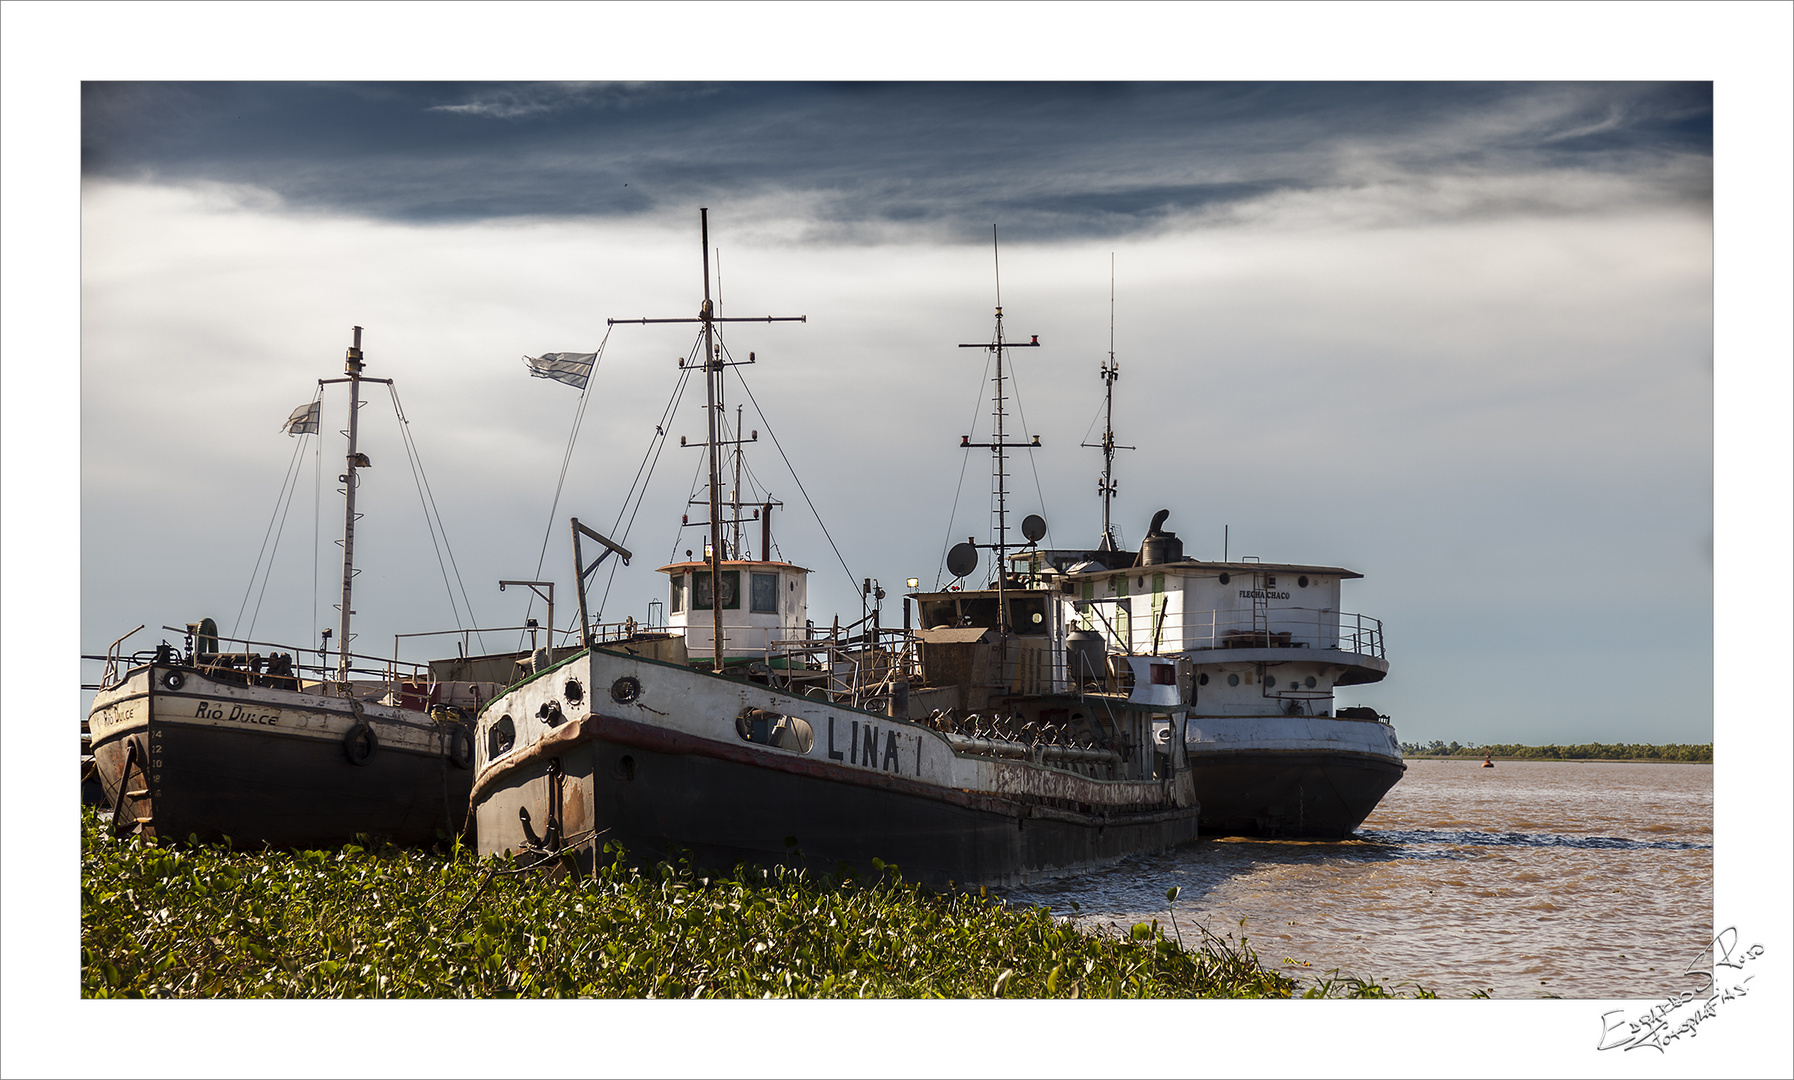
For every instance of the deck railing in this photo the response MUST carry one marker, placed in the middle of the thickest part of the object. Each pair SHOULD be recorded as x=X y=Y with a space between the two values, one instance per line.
x=1157 y=631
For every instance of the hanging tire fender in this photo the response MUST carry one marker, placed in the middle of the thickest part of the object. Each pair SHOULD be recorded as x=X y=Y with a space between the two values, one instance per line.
x=360 y=743
x=460 y=747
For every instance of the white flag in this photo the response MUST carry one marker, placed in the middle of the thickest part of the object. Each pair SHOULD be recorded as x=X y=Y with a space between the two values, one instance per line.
x=572 y=368
x=304 y=420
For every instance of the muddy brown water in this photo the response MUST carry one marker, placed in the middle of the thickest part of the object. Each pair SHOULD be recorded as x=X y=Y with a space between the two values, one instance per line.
x=1531 y=879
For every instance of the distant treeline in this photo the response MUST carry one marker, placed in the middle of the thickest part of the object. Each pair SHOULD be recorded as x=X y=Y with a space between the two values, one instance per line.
x=1579 y=752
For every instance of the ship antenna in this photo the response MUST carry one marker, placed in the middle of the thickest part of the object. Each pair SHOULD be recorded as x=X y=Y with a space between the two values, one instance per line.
x=998 y=445
x=713 y=367
x=1105 y=485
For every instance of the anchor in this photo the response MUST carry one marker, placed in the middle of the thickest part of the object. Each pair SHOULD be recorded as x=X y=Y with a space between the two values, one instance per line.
x=550 y=840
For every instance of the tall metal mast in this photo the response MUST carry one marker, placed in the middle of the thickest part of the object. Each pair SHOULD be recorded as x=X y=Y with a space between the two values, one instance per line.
x=713 y=366
x=999 y=446
x=1105 y=485
x=352 y=366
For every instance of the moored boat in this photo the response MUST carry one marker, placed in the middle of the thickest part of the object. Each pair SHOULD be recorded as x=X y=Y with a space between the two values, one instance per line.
x=784 y=744
x=1264 y=647
x=226 y=737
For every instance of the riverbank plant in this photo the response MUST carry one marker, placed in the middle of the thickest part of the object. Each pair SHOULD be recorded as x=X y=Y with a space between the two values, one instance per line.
x=197 y=920
x=1674 y=752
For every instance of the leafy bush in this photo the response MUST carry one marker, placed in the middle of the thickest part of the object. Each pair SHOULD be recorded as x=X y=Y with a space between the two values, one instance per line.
x=193 y=920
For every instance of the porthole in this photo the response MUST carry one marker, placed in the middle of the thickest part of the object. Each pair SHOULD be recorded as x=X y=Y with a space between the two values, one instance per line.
x=625 y=690
x=1302 y=581
x=1202 y=679
x=1226 y=577
x=1233 y=680
x=1270 y=581
x=775 y=729
x=1270 y=682
x=1309 y=682
x=575 y=692
x=500 y=737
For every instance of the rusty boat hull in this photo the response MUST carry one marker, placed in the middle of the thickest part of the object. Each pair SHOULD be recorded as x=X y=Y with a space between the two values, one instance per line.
x=665 y=761
x=179 y=754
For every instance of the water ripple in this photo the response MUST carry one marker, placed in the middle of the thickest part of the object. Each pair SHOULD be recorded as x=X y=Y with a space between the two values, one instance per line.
x=1475 y=838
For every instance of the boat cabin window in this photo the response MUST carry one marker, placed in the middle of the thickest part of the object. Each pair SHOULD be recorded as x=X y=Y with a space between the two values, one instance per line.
x=766 y=728
x=678 y=593
x=1028 y=615
x=981 y=611
x=731 y=591
x=939 y=613
x=766 y=593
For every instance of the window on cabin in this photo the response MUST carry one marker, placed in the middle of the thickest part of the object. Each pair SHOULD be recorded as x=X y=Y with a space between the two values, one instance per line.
x=939 y=613
x=731 y=594
x=765 y=593
x=1027 y=615
x=678 y=593
x=979 y=612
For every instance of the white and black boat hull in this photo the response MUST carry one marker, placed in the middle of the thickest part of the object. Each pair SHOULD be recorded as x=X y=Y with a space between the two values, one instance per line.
x=179 y=754
x=1295 y=777
x=666 y=774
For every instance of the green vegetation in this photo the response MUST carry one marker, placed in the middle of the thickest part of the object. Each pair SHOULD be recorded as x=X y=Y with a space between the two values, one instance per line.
x=1579 y=752
x=189 y=920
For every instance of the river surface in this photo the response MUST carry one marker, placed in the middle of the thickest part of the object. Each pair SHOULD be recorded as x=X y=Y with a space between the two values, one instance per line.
x=1531 y=879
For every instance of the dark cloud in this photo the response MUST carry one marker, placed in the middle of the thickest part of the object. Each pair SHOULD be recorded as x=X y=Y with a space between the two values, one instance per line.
x=1049 y=159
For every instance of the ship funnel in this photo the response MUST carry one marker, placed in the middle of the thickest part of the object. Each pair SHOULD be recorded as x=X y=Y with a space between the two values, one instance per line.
x=1160 y=546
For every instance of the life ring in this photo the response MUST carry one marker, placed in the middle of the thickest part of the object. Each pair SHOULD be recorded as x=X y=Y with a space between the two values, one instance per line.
x=359 y=744
x=174 y=680
x=460 y=747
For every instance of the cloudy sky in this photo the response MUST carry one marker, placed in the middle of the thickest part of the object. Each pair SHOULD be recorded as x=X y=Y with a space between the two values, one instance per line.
x=1455 y=336
x=1465 y=338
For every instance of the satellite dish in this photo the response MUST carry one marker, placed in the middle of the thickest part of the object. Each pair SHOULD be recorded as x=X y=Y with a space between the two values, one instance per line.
x=1033 y=527
x=962 y=560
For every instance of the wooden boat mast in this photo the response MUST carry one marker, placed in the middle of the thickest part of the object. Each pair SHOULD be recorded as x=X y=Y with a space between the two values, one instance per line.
x=713 y=366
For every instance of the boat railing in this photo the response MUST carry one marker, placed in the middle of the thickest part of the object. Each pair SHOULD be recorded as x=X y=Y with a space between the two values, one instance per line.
x=286 y=666
x=859 y=670
x=1276 y=628
x=110 y=675
x=601 y=632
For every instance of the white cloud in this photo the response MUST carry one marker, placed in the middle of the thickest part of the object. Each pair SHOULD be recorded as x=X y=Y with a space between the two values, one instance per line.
x=1308 y=368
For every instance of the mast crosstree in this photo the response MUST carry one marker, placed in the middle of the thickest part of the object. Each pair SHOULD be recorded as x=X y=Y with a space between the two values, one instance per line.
x=352 y=366
x=713 y=366
x=1105 y=484
x=999 y=445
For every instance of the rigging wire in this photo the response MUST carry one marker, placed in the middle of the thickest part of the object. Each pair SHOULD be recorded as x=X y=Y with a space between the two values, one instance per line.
x=317 y=514
x=644 y=473
x=579 y=414
x=1016 y=393
x=965 y=460
x=428 y=498
x=288 y=485
x=278 y=533
x=761 y=413
x=691 y=494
